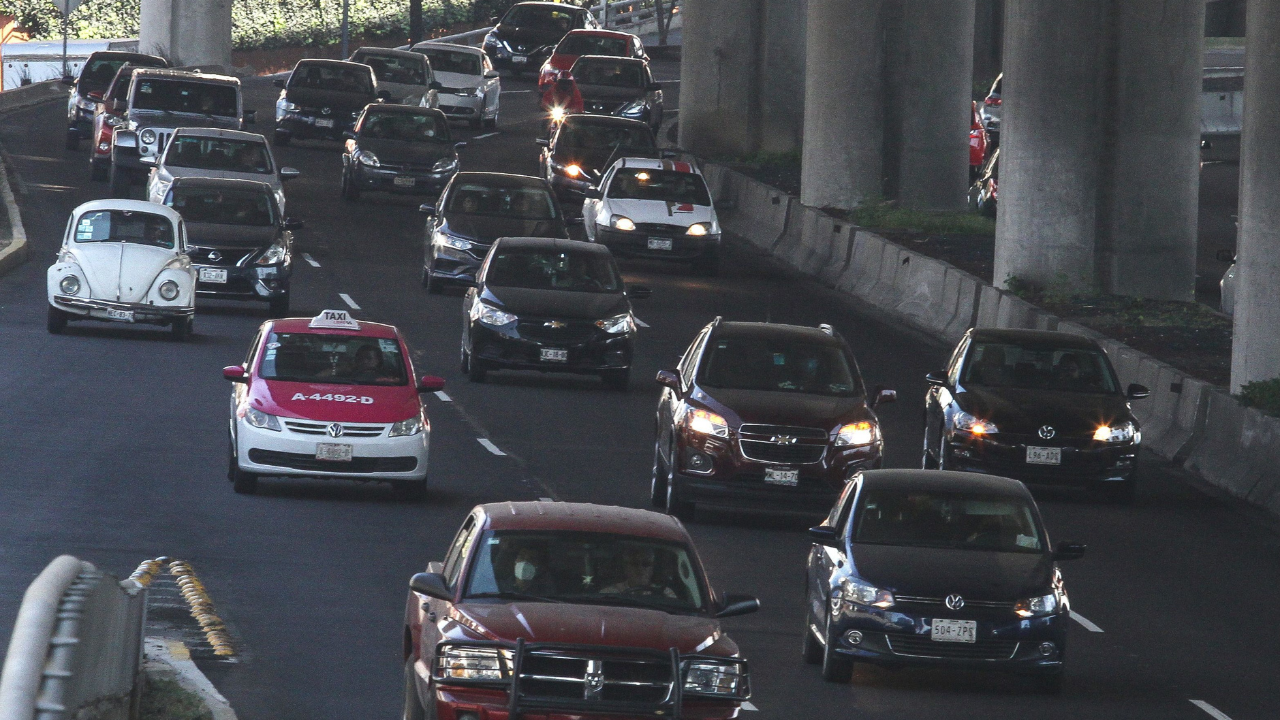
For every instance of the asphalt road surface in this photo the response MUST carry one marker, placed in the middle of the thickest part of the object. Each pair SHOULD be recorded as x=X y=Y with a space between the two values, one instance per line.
x=114 y=449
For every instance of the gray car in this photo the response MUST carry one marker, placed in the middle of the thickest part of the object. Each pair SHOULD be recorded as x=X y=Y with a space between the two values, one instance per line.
x=213 y=153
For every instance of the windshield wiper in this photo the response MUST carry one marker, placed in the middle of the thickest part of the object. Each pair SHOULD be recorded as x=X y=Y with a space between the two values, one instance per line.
x=516 y=596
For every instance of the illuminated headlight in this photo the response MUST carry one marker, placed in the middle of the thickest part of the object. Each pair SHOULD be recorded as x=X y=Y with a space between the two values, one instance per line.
x=364 y=157
x=698 y=229
x=259 y=419
x=273 y=256
x=445 y=165
x=405 y=428
x=104 y=147
x=964 y=422
x=707 y=423
x=148 y=136
x=169 y=290
x=856 y=434
x=490 y=315
x=466 y=663
x=450 y=241
x=622 y=222
x=617 y=325
x=570 y=170
x=707 y=677
x=1123 y=432
x=634 y=109
x=1037 y=606
x=70 y=285
x=557 y=113
x=853 y=590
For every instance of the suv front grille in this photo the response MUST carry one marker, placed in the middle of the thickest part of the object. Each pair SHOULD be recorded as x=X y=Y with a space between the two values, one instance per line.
x=769 y=431
x=782 y=444
x=568 y=676
x=574 y=332
x=322 y=428
x=921 y=646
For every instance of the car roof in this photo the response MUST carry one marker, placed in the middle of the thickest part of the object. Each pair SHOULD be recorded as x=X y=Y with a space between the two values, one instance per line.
x=388 y=52
x=1060 y=339
x=775 y=331
x=539 y=243
x=658 y=164
x=222 y=184
x=945 y=481
x=303 y=326
x=551 y=6
x=171 y=74
x=127 y=56
x=128 y=205
x=590 y=32
x=220 y=133
x=434 y=45
x=331 y=63
x=584 y=517
x=498 y=179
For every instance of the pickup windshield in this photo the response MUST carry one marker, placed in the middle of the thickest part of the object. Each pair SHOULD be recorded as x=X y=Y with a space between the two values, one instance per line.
x=187 y=96
x=125 y=226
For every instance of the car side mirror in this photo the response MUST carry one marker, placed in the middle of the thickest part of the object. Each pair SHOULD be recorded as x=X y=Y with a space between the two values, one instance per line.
x=292 y=224
x=435 y=85
x=147 y=160
x=490 y=74
x=937 y=378
x=459 y=145
x=278 y=82
x=670 y=380
x=125 y=139
x=288 y=173
x=250 y=117
x=592 y=193
x=734 y=604
x=430 y=383
x=1136 y=391
x=639 y=292
x=432 y=585
x=884 y=397
x=1225 y=256
x=427 y=209
x=235 y=373
x=543 y=142
x=1069 y=551
x=824 y=535
x=118 y=106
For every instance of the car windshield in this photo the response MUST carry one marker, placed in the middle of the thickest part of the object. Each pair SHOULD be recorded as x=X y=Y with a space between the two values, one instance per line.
x=186 y=96
x=409 y=127
x=332 y=359
x=332 y=78
x=589 y=568
x=98 y=74
x=394 y=69
x=534 y=16
x=610 y=73
x=524 y=202
x=554 y=270
x=1038 y=367
x=594 y=45
x=223 y=155
x=684 y=188
x=575 y=135
x=947 y=520
x=125 y=226
x=222 y=207
x=781 y=364
x=450 y=61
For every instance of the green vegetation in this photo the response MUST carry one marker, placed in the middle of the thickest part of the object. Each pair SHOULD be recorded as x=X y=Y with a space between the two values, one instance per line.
x=1223 y=43
x=886 y=216
x=165 y=699
x=1263 y=395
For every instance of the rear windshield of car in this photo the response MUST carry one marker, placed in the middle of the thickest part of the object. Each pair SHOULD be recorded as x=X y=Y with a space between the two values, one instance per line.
x=332 y=359
x=779 y=364
x=586 y=568
x=594 y=45
x=222 y=207
x=405 y=126
x=533 y=16
x=955 y=521
x=209 y=153
x=553 y=270
x=333 y=79
x=186 y=96
x=98 y=74
x=449 y=61
x=394 y=69
x=526 y=203
x=609 y=73
x=667 y=185
x=125 y=226
x=592 y=136
x=1038 y=367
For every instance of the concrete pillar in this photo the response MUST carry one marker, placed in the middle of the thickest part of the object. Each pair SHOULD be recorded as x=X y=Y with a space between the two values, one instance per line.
x=188 y=32
x=1255 y=351
x=154 y=27
x=719 y=82
x=782 y=76
x=1049 y=140
x=1147 y=222
x=842 y=161
x=988 y=43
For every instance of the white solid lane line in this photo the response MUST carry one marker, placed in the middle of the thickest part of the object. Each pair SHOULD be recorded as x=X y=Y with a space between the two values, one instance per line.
x=310 y=260
x=1086 y=622
x=347 y=299
x=1214 y=712
x=486 y=135
x=749 y=707
x=443 y=397
x=641 y=323
x=513 y=92
x=490 y=446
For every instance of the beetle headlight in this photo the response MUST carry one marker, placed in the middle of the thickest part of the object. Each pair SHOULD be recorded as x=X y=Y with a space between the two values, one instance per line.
x=405 y=428
x=490 y=315
x=469 y=663
x=70 y=285
x=169 y=290
x=708 y=677
x=259 y=419
x=148 y=136
x=617 y=324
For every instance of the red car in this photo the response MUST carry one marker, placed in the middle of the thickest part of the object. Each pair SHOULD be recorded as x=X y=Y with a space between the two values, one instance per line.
x=977 y=143
x=588 y=42
x=566 y=610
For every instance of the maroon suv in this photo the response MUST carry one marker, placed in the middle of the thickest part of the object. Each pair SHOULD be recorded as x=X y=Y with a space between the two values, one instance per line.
x=562 y=611
x=771 y=417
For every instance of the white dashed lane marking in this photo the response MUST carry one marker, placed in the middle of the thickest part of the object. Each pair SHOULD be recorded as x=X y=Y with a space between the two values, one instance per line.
x=310 y=260
x=486 y=135
x=347 y=299
x=1214 y=712
x=490 y=446
x=443 y=397
x=1086 y=622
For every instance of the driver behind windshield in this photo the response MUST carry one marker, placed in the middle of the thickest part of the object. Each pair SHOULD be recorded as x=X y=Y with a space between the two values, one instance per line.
x=638 y=567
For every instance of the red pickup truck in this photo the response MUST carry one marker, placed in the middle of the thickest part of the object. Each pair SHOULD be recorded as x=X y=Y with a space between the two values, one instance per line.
x=567 y=611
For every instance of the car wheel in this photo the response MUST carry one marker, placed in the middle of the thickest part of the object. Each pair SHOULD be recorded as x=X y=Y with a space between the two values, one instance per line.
x=413 y=709
x=118 y=179
x=927 y=461
x=658 y=483
x=707 y=266
x=73 y=140
x=279 y=306
x=98 y=172
x=811 y=650
x=682 y=509
x=616 y=379
x=57 y=320
x=836 y=668
x=244 y=483
x=492 y=122
x=410 y=490
x=280 y=139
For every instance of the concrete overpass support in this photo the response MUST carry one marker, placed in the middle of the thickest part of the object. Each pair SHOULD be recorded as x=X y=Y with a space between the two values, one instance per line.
x=842 y=161
x=719 y=79
x=1255 y=351
x=782 y=76
x=188 y=32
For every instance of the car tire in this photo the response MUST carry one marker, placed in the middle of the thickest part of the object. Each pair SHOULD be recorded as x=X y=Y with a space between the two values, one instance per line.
x=707 y=266
x=471 y=367
x=927 y=461
x=675 y=505
x=413 y=709
x=410 y=490
x=180 y=330
x=941 y=461
x=658 y=483
x=279 y=306
x=243 y=483
x=98 y=172
x=616 y=379
x=118 y=178
x=73 y=140
x=836 y=668
x=57 y=320
x=280 y=139
x=811 y=650
x=492 y=122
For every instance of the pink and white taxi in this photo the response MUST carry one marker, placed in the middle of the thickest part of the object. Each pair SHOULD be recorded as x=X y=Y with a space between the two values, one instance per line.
x=329 y=397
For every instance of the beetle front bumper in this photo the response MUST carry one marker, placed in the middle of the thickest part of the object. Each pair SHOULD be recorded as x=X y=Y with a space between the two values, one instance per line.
x=112 y=311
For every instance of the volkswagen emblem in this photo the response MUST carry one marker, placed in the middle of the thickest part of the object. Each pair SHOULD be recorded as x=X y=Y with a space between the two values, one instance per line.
x=215 y=256
x=783 y=440
x=954 y=602
x=334 y=430
x=593 y=683
x=326 y=111
x=1047 y=432
x=557 y=324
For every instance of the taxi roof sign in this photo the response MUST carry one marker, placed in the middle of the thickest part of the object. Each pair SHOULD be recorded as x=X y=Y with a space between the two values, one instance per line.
x=334 y=320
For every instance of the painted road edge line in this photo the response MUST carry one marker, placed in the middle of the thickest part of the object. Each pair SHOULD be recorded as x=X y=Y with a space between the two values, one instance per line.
x=443 y=396
x=1086 y=622
x=490 y=446
x=513 y=92
x=347 y=299
x=1214 y=712
x=749 y=707
x=486 y=135
x=16 y=252
x=310 y=260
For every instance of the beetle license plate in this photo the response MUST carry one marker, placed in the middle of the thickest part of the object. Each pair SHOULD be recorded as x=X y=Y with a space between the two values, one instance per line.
x=404 y=181
x=659 y=243
x=213 y=275
x=776 y=476
x=1044 y=455
x=125 y=315
x=554 y=355
x=333 y=451
x=324 y=123
x=956 y=631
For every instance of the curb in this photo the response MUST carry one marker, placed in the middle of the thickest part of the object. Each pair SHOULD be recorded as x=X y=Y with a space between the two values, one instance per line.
x=17 y=251
x=171 y=658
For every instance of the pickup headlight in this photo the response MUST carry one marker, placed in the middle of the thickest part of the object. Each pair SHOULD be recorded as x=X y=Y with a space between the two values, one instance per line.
x=1120 y=432
x=634 y=109
x=964 y=422
x=1037 y=606
x=273 y=256
x=450 y=241
x=859 y=592
x=490 y=315
x=708 y=677
x=705 y=422
x=259 y=419
x=168 y=290
x=617 y=325
x=405 y=428
x=448 y=164
x=857 y=434
x=147 y=136
x=69 y=285
x=622 y=222
x=86 y=105
x=467 y=663
x=698 y=229
x=364 y=157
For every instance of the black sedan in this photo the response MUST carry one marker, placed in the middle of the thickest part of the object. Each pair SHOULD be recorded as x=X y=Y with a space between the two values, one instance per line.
x=476 y=209
x=584 y=145
x=528 y=33
x=238 y=241
x=323 y=99
x=1037 y=406
x=399 y=149
x=552 y=306
x=921 y=567
x=622 y=87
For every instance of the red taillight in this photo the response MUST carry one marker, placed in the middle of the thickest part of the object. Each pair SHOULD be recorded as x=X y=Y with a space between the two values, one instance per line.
x=992 y=101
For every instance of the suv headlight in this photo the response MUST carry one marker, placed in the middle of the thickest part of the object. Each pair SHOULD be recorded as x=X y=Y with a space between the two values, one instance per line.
x=859 y=592
x=147 y=136
x=405 y=428
x=964 y=422
x=617 y=325
x=706 y=422
x=858 y=433
x=1121 y=432
x=259 y=419
x=364 y=157
x=622 y=222
x=273 y=256
x=1037 y=606
x=69 y=285
x=448 y=164
x=708 y=677
x=490 y=315
x=451 y=241
x=468 y=663
x=168 y=290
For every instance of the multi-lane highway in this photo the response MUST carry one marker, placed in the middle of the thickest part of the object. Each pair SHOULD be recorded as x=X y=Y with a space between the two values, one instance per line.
x=114 y=449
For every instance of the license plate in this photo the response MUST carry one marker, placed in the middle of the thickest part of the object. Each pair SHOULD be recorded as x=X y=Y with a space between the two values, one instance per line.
x=555 y=355
x=790 y=478
x=213 y=275
x=126 y=315
x=321 y=122
x=660 y=243
x=405 y=181
x=519 y=59
x=1044 y=455
x=956 y=631
x=333 y=451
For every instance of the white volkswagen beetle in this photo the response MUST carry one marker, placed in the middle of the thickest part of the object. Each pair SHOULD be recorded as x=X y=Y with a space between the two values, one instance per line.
x=123 y=261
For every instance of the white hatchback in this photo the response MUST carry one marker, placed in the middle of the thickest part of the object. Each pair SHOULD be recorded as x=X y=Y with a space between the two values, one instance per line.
x=213 y=153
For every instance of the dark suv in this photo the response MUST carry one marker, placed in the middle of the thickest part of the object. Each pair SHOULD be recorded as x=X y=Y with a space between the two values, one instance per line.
x=323 y=99
x=772 y=417
x=87 y=90
x=584 y=147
